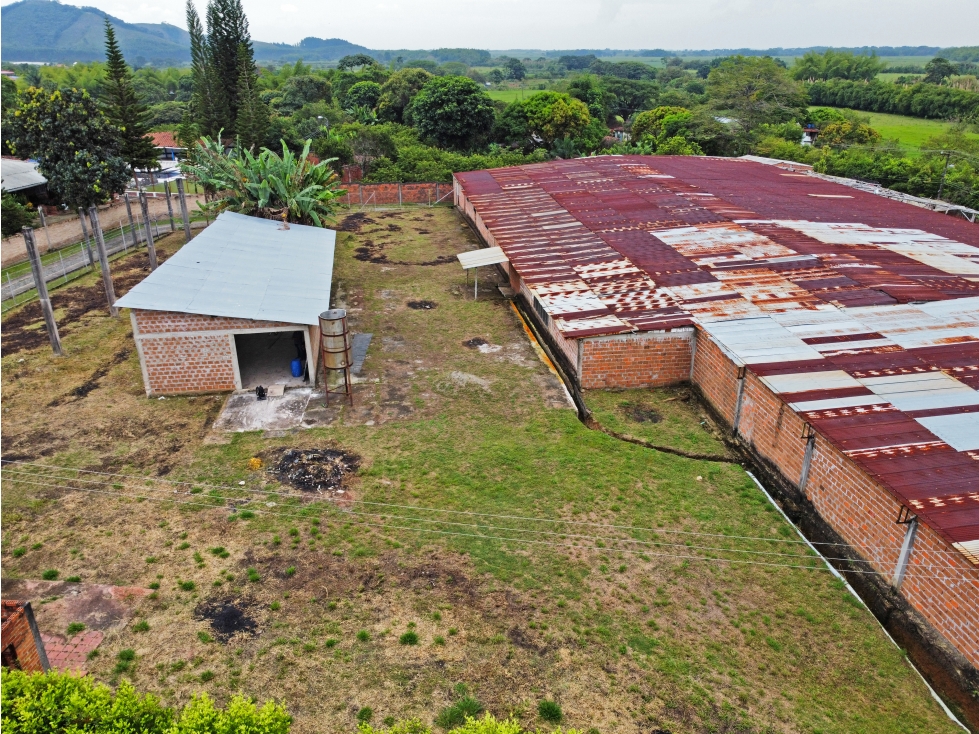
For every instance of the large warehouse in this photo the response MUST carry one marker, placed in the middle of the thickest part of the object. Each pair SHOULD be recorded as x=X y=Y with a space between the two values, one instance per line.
x=835 y=331
x=233 y=307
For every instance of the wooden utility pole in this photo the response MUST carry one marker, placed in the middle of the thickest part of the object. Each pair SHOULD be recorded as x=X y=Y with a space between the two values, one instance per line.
x=183 y=208
x=110 y=293
x=150 y=246
x=166 y=187
x=88 y=245
x=42 y=290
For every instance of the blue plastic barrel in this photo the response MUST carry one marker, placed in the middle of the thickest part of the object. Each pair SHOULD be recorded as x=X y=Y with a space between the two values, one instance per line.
x=297 y=368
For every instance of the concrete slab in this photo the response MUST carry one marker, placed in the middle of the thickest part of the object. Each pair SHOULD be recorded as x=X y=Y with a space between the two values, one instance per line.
x=244 y=412
x=358 y=351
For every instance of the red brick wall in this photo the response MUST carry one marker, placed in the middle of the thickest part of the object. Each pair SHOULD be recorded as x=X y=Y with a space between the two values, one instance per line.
x=167 y=322
x=17 y=634
x=856 y=506
x=190 y=353
x=647 y=359
x=395 y=193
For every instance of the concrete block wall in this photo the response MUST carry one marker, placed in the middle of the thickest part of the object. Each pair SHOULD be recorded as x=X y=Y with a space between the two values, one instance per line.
x=646 y=359
x=939 y=583
x=21 y=642
x=183 y=353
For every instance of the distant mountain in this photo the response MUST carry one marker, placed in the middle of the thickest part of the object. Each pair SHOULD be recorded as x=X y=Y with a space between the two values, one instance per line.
x=44 y=30
x=49 y=31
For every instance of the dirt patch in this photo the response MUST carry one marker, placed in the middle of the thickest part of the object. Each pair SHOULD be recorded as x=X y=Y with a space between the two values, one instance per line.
x=640 y=413
x=228 y=617
x=422 y=305
x=354 y=222
x=475 y=343
x=373 y=252
x=315 y=470
x=77 y=393
x=24 y=329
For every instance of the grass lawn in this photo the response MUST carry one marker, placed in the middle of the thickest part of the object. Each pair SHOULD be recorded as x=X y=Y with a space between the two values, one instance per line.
x=593 y=572
x=511 y=95
x=912 y=132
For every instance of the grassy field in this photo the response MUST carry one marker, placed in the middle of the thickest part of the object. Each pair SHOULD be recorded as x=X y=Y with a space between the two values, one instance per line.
x=912 y=132
x=511 y=95
x=582 y=579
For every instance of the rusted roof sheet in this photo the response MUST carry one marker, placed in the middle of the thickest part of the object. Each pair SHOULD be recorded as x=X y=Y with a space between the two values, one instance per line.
x=860 y=312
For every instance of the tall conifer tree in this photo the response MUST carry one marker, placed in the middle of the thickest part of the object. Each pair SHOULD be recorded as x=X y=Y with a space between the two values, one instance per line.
x=253 y=114
x=124 y=108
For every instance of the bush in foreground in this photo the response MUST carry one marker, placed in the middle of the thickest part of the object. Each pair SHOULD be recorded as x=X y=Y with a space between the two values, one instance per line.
x=52 y=702
x=486 y=725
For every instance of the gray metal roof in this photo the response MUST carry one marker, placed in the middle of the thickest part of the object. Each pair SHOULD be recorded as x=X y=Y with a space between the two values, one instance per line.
x=244 y=267
x=18 y=175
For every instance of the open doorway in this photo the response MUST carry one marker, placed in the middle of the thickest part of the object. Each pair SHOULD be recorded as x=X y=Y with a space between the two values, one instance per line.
x=266 y=358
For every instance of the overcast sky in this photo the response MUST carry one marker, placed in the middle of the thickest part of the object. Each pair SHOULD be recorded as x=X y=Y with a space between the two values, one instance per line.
x=564 y=24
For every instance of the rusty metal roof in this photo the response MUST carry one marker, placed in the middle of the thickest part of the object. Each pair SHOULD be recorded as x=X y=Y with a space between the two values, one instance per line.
x=860 y=312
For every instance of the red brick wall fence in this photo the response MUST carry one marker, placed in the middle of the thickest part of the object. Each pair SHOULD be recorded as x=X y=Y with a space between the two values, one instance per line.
x=359 y=194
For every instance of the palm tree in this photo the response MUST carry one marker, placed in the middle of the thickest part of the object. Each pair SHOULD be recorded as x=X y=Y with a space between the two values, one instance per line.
x=288 y=187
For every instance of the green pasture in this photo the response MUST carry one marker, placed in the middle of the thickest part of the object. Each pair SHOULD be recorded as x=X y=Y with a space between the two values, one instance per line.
x=912 y=132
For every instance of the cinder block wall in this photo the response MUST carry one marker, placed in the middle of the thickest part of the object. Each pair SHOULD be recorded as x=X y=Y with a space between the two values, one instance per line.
x=18 y=637
x=646 y=359
x=188 y=353
x=940 y=583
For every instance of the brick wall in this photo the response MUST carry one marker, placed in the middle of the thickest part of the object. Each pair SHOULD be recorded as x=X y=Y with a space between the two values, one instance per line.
x=188 y=353
x=21 y=642
x=860 y=510
x=397 y=193
x=647 y=359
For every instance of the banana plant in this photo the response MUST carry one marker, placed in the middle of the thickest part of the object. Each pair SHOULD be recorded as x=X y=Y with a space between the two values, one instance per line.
x=290 y=187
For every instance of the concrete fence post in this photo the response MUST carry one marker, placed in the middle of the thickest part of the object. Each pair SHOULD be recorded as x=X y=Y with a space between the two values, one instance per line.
x=150 y=246
x=183 y=208
x=88 y=246
x=166 y=187
x=42 y=290
x=110 y=293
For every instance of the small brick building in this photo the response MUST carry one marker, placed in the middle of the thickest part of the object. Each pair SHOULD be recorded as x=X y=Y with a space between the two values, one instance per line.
x=234 y=307
x=834 y=331
x=21 y=646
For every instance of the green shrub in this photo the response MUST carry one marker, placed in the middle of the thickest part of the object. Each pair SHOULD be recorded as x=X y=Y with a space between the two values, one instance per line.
x=74 y=628
x=550 y=711
x=363 y=635
x=187 y=585
x=74 y=579
x=141 y=626
x=18 y=552
x=50 y=575
x=365 y=714
x=62 y=702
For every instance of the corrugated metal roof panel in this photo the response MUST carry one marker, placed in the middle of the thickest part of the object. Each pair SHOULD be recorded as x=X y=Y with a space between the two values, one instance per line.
x=244 y=267
x=862 y=313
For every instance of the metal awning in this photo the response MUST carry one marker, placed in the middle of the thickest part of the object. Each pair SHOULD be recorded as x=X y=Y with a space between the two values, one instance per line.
x=479 y=258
